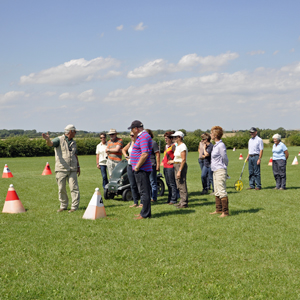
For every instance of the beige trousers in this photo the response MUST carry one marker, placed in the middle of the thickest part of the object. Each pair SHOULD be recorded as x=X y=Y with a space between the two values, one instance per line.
x=61 y=178
x=181 y=184
x=220 y=183
x=111 y=164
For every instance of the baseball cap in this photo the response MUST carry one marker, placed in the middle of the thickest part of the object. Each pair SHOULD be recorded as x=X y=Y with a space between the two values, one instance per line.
x=136 y=123
x=253 y=129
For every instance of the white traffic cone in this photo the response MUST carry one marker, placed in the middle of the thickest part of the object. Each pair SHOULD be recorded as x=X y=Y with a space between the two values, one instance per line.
x=95 y=208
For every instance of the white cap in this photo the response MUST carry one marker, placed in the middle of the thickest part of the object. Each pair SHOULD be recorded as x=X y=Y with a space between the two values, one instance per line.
x=70 y=127
x=178 y=133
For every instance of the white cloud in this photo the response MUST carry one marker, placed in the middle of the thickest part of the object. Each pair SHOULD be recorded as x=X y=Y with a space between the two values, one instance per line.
x=87 y=96
x=111 y=74
x=72 y=72
x=293 y=68
x=257 y=52
x=149 y=69
x=11 y=96
x=140 y=27
x=120 y=27
x=67 y=96
x=275 y=52
x=187 y=62
x=210 y=61
x=271 y=88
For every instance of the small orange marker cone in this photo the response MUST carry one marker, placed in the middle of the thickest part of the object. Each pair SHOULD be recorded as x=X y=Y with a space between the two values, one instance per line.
x=241 y=157
x=12 y=204
x=6 y=172
x=47 y=170
x=95 y=208
x=295 y=161
x=299 y=154
x=270 y=162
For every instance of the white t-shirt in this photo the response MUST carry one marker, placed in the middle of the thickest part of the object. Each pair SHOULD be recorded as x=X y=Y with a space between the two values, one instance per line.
x=102 y=154
x=178 y=150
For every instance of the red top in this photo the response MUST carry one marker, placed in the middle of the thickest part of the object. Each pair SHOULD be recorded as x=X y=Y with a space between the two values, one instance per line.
x=168 y=155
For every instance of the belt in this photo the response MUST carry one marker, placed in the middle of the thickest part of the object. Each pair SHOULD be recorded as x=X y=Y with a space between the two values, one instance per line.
x=176 y=162
x=253 y=155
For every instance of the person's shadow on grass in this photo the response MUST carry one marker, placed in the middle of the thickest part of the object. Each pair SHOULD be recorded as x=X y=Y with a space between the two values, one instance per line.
x=201 y=203
x=181 y=211
x=244 y=211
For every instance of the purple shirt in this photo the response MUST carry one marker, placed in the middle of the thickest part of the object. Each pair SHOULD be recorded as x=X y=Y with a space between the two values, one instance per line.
x=142 y=144
x=219 y=159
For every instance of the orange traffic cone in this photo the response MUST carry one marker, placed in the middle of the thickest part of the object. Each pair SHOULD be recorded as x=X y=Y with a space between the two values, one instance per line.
x=47 y=170
x=241 y=157
x=6 y=172
x=12 y=204
x=270 y=162
x=295 y=161
x=95 y=208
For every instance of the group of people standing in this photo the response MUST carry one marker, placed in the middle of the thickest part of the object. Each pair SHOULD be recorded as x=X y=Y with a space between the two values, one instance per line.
x=143 y=156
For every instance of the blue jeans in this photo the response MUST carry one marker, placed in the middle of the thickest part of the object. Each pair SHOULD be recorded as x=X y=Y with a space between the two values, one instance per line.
x=207 y=178
x=143 y=184
x=171 y=183
x=153 y=183
x=133 y=185
x=104 y=175
x=254 y=172
x=201 y=163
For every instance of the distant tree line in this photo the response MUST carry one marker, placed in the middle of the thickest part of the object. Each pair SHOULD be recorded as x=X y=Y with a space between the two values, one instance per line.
x=19 y=144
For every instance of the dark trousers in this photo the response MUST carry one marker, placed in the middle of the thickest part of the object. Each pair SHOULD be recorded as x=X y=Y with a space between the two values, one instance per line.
x=133 y=185
x=143 y=184
x=104 y=175
x=254 y=172
x=207 y=178
x=279 y=171
x=153 y=183
x=171 y=183
x=201 y=163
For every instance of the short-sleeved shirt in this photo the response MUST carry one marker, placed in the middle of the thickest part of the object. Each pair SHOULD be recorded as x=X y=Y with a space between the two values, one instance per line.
x=142 y=144
x=201 y=150
x=255 y=145
x=278 y=151
x=100 y=150
x=56 y=142
x=207 y=159
x=116 y=156
x=177 y=153
x=155 y=149
x=168 y=155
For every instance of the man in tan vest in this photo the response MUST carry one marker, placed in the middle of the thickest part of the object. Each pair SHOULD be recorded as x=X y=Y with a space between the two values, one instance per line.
x=66 y=167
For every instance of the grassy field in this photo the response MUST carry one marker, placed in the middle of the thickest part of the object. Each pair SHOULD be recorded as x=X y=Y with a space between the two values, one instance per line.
x=177 y=254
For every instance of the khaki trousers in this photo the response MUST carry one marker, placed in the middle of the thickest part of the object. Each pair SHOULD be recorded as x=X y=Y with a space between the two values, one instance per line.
x=220 y=183
x=61 y=178
x=111 y=164
x=181 y=184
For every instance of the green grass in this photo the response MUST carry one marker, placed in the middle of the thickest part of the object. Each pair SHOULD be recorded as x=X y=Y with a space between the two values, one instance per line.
x=177 y=254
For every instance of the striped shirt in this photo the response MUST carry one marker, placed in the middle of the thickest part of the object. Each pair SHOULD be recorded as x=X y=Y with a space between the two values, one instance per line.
x=142 y=144
x=116 y=156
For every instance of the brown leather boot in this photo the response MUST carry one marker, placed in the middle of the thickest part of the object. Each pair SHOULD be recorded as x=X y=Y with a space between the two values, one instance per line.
x=225 y=212
x=218 y=206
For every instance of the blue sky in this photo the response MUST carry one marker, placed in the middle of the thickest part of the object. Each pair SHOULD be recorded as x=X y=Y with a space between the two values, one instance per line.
x=170 y=64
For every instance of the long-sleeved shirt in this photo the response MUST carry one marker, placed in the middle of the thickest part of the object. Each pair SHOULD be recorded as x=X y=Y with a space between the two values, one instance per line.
x=219 y=159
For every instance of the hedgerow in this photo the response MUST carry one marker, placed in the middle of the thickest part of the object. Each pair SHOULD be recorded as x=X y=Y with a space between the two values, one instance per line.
x=22 y=146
